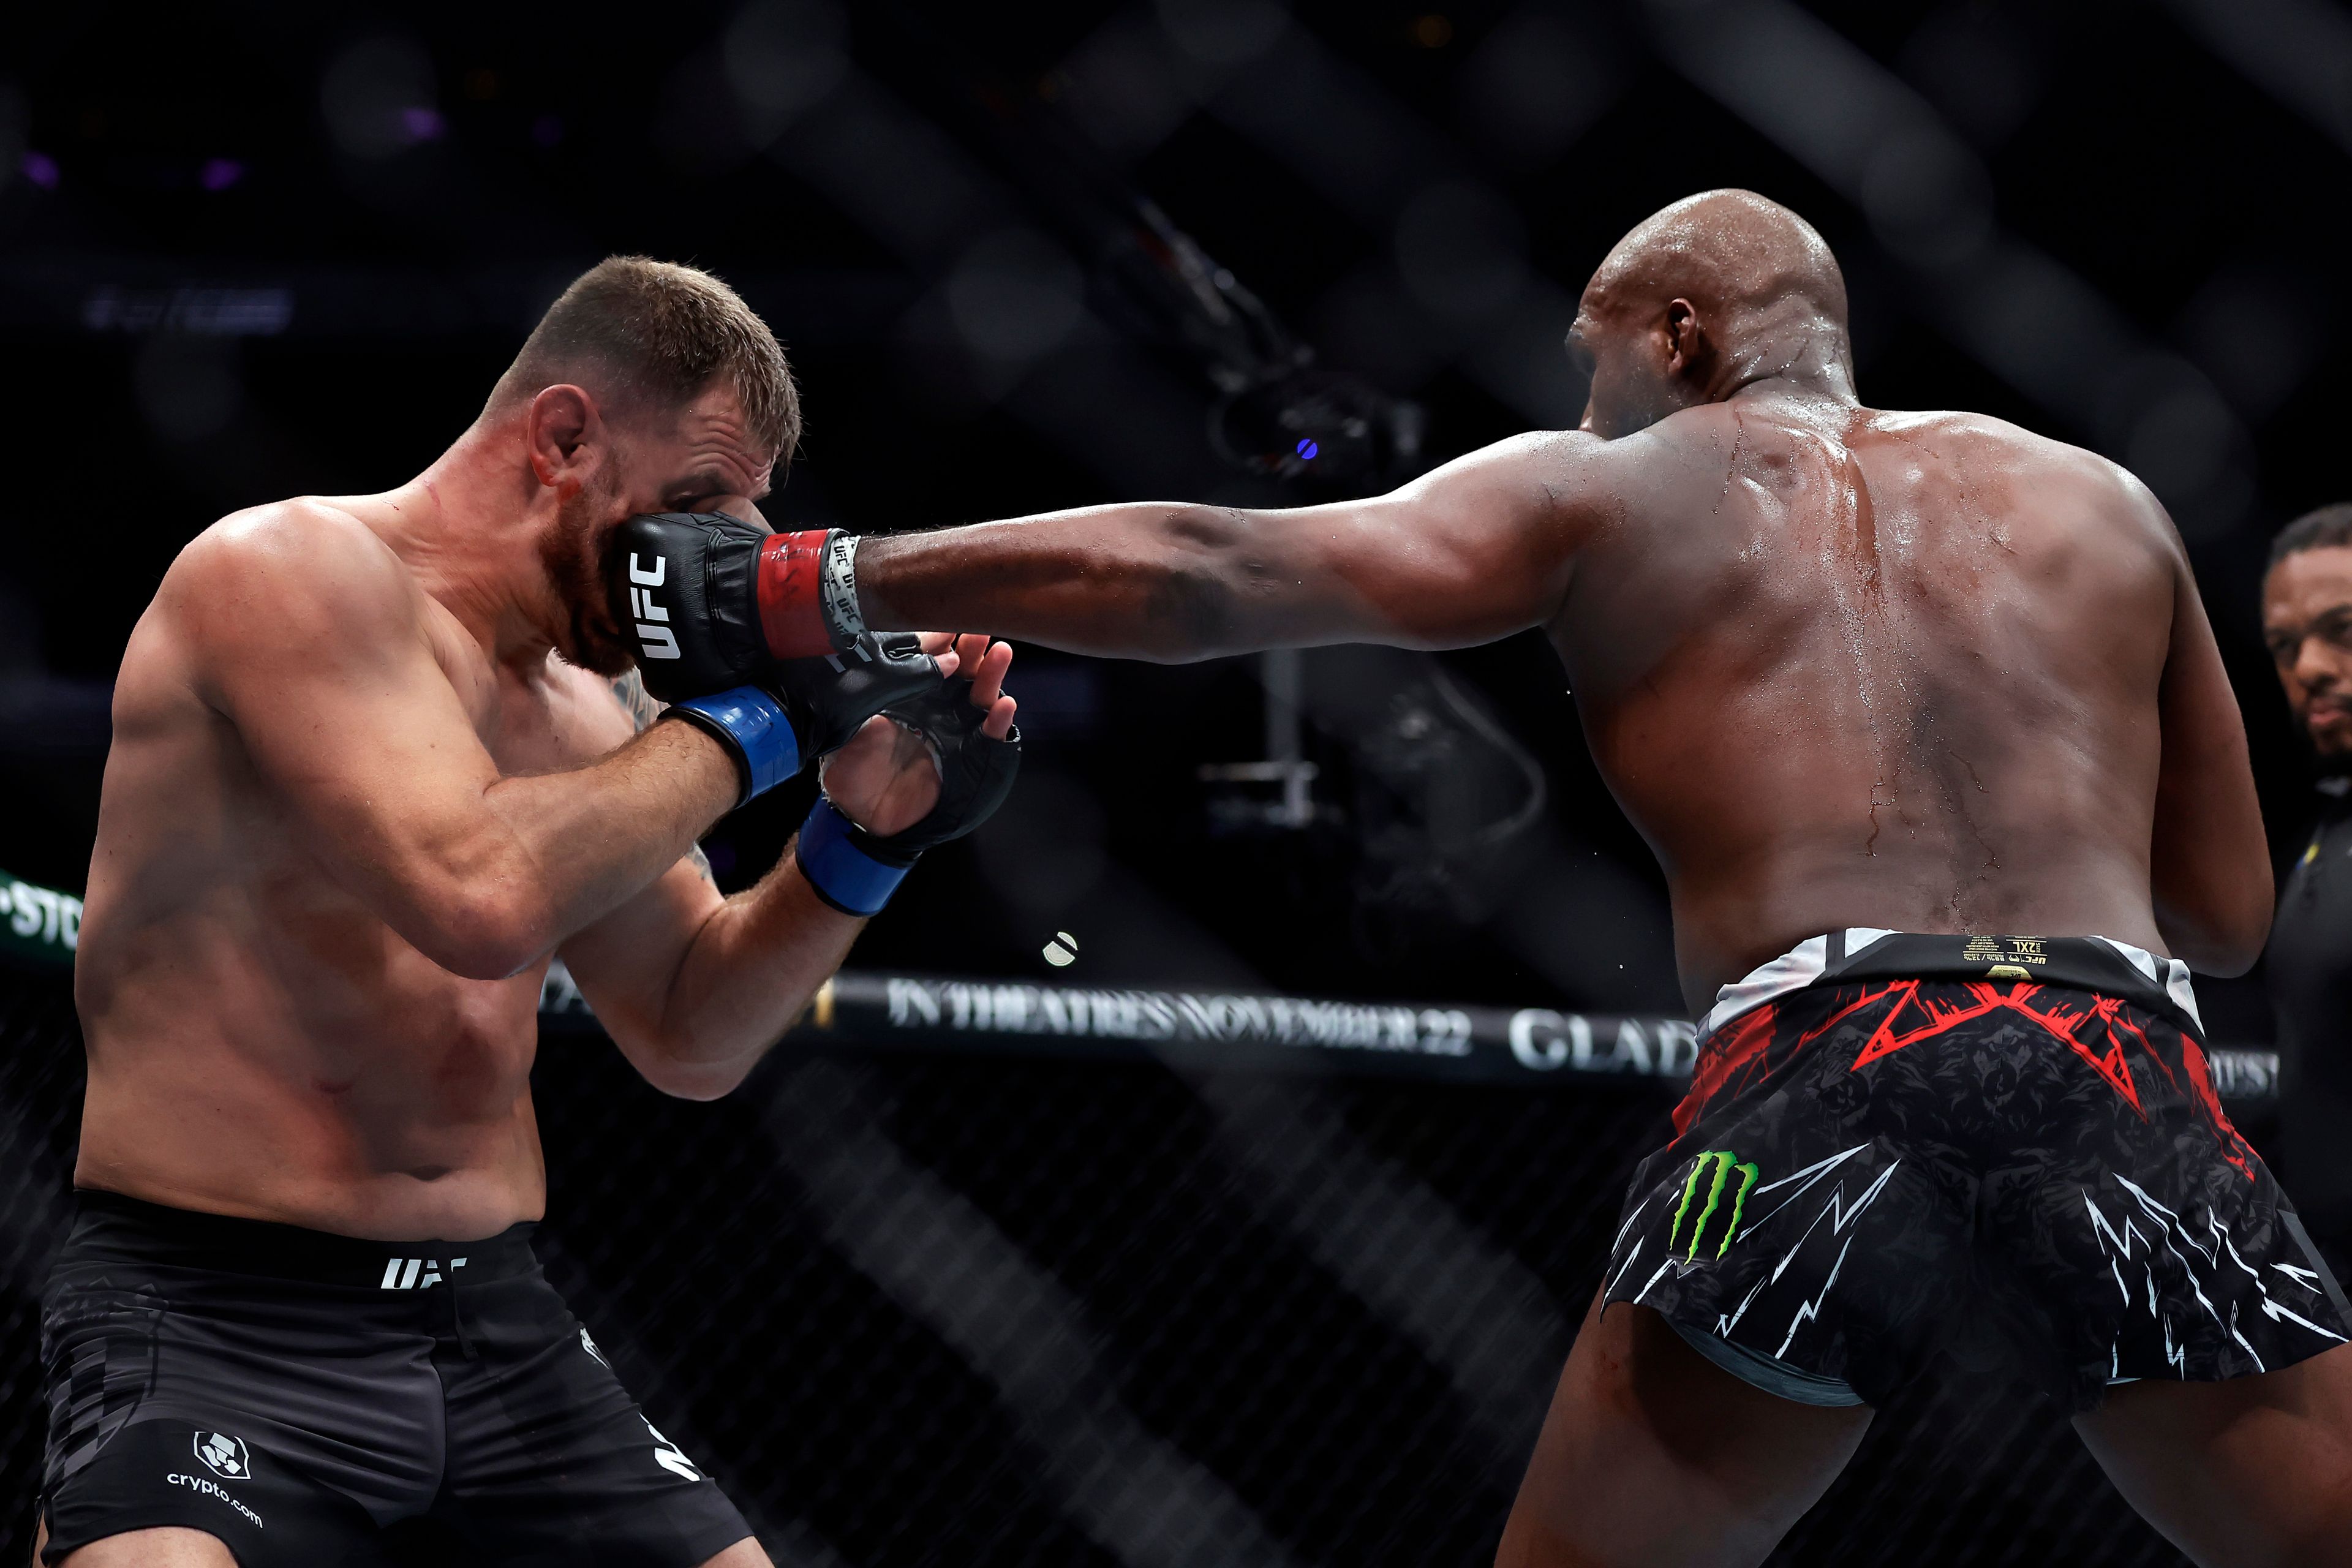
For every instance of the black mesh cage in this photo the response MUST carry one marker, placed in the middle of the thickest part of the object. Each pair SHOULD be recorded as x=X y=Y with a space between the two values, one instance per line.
x=931 y=1309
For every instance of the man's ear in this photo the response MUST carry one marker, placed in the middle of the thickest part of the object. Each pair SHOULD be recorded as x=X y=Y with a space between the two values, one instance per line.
x=562 y=427
x=1690 y=354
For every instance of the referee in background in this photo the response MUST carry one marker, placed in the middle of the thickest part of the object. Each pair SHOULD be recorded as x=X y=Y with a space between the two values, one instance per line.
x=2308 y=624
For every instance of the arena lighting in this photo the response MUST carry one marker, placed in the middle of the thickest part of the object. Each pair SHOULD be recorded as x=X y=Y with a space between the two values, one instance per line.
x=377 y=96
x=195 y=310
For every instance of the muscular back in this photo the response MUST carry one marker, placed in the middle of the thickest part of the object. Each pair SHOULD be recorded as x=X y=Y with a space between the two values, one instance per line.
x=1855 y=667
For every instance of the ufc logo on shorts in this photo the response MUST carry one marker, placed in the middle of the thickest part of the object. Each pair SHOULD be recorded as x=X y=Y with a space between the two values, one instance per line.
x=654 y=641
x=416 y=1273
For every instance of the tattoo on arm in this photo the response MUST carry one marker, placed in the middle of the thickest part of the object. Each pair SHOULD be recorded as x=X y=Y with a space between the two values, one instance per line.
x=629 y=691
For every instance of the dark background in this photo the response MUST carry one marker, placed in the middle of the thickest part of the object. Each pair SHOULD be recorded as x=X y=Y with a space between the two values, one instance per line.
x=249 y=251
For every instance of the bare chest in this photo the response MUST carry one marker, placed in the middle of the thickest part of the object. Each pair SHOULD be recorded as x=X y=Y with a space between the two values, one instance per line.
x=530 y=718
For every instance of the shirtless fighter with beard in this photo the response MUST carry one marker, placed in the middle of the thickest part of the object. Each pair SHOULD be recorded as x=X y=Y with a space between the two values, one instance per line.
x=369 y=775
x=1879 y=688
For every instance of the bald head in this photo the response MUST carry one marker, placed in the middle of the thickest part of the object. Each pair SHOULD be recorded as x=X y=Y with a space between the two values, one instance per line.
x=1719 y=291
x=1730 y=250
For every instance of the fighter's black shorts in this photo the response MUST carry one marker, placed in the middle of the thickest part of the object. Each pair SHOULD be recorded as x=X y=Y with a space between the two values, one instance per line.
x=2001 y=1145
x=294 y=1393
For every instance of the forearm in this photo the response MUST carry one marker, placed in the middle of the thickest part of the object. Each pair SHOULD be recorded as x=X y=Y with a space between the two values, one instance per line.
x=2216 y=923
x=559 y=851
x=749 y=972
x=1159 y=581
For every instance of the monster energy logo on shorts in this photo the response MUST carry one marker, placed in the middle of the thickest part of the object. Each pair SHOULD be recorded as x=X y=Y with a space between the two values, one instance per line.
x=1724 y=1162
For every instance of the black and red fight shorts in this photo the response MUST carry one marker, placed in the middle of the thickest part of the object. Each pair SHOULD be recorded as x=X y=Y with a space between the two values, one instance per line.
x=1897 y=1142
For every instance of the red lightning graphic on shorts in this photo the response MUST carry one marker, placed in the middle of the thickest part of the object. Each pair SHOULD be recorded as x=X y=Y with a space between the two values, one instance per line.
x=1932 y=1015
x=2094 y=1027
x=1736 y=1048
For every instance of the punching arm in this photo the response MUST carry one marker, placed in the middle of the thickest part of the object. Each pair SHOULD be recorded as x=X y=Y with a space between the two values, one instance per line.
x=1474 y=550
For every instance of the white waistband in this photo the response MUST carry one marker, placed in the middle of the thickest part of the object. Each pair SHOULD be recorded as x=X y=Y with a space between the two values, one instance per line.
x=1805 y=963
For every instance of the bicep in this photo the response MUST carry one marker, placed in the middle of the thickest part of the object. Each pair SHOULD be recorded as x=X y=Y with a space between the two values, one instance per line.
x=625 y=963
x=1471 y=551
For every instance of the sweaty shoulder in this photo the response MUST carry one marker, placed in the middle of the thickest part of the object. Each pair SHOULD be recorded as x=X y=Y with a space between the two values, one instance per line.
x=1568 y=473
x=294 y=579
x=2055 y=494
x=2062 y=485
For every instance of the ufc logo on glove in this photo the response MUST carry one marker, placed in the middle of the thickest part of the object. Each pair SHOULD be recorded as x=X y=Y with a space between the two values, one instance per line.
x=654 y=641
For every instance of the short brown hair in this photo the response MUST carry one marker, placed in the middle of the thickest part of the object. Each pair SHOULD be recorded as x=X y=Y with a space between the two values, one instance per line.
x=664 y=333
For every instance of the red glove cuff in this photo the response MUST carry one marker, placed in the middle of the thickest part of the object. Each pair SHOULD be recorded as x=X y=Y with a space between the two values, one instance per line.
x=792 y=601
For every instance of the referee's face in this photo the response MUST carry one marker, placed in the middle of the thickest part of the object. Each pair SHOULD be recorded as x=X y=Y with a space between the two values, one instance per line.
x=2307 y=623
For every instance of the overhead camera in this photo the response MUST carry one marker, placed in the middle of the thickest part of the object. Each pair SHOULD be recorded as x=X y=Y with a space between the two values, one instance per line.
x=1277 y=413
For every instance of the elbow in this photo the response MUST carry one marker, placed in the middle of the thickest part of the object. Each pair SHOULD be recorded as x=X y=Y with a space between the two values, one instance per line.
x=2224 y=943
x=676 y=1061
x=1191 y=608
x=2237 y=950
x=2221 y=962
x=703 y=1085
x=1186 y=620
x=693 y=1080
x=2214 y=913
x=487 y=934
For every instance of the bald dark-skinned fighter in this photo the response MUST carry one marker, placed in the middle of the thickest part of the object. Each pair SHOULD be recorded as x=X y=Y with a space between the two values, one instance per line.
x=1878 y=689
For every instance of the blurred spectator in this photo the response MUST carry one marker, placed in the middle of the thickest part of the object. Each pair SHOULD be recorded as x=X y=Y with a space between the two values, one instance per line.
x=2307 y=623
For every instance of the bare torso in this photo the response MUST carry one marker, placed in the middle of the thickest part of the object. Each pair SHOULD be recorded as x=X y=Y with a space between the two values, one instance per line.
x=1873 y=668
x=259 y=1043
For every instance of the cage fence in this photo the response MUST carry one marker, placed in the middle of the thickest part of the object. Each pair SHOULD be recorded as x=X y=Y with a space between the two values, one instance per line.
x=916 y=1307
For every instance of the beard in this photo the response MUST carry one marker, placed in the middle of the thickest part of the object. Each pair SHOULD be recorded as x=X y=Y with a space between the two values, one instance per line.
x=572 y=552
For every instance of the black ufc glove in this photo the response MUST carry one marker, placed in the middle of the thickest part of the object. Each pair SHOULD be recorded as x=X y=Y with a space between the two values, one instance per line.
x=710 y=601
x=855 y=870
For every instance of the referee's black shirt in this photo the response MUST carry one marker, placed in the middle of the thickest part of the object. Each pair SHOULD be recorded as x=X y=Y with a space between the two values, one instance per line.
x=2309 y=963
